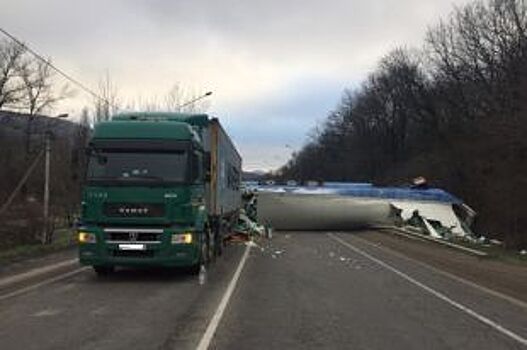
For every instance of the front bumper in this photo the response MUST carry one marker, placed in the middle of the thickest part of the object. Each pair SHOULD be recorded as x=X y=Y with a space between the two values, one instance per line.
x=162 y=253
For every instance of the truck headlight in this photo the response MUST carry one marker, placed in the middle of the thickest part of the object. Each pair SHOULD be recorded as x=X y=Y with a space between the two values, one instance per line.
x=86 y=237
x=182 y=238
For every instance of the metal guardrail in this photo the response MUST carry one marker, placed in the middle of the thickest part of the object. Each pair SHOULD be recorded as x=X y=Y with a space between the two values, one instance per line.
x=410 y=234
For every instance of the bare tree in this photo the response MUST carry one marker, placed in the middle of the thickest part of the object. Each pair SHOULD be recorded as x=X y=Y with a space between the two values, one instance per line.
x=107 y=103
x=39 y=93
x=10 y=84
x=174 y=98
x=457 y=115
x=174 y=101
x=178 y=95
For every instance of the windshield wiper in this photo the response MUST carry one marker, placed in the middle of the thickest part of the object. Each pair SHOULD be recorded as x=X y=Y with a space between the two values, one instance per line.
x=127 y=178
x=150 y=177
x=102 y=178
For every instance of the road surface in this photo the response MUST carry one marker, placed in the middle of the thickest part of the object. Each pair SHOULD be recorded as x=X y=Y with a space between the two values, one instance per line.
x=297 y=291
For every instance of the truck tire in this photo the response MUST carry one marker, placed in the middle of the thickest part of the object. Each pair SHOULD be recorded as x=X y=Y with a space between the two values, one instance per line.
x=212 y=245
x=103 y=271
x=218 y=244
x=218 y=239
x=203 y=258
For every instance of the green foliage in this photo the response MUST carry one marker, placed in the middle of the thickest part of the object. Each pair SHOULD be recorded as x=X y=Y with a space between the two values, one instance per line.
x=63 y=239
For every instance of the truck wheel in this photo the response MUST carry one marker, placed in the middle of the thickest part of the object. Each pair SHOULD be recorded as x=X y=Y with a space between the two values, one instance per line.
x=212 y=246
x=218 y=244
x=194 y=269
x=205 y=252
x=203 y=259
x=103 y=271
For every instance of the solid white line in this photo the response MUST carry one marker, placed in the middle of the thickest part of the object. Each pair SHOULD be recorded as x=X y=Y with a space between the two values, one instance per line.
x=435 y=293
x=40 y=284
x=35 y=272
x=216 y=318
x=481 y=288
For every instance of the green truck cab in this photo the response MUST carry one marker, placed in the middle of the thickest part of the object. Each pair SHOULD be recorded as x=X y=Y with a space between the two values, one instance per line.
x=162 y=189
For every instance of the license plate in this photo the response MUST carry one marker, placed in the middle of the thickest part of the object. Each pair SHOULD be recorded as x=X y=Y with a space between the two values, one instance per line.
x=132 y=247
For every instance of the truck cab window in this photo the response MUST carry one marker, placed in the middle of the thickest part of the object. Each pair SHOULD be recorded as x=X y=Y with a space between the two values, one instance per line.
x=138 y=165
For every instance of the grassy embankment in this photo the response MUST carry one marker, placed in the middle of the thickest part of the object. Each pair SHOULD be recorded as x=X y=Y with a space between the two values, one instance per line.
x=495 y=251
x=62 y=239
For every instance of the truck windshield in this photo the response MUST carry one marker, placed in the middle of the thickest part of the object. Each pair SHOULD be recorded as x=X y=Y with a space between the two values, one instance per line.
x=138 y=166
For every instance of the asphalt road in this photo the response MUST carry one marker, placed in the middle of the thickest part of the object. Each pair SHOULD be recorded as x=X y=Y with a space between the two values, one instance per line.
x=148 y=309
x=297 y=291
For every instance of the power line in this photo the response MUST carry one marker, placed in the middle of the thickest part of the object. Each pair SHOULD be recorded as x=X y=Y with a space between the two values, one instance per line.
x=58 y=70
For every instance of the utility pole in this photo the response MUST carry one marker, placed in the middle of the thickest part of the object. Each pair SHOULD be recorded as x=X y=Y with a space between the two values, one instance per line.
x=47 y=144
x=22 y=181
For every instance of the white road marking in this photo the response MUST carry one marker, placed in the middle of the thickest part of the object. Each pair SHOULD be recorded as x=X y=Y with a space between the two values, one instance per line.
x=435 y=293
x=216 y=318
x=99 y=311
x=47 y=313
x=35 y=272
x=43 y=283
x=481 y=288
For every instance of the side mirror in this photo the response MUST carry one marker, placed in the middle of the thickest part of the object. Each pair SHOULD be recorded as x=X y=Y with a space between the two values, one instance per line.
x=79 y=163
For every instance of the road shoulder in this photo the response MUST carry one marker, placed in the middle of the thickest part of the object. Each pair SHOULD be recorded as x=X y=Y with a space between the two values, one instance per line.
x=496 y=275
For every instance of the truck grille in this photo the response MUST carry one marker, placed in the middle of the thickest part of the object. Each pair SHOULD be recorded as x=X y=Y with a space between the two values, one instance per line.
x=134 y=210
x=133 y=235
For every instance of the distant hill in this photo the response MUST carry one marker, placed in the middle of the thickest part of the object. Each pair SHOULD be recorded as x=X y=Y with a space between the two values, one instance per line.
x=17 y=152
x=254 y=175
x=12 y=123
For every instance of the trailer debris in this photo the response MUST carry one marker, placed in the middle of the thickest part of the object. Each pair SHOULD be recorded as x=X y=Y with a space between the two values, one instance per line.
x=345 y=206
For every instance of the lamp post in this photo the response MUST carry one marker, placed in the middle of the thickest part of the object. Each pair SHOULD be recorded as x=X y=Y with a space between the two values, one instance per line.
x=47 y=145
x=194 y=100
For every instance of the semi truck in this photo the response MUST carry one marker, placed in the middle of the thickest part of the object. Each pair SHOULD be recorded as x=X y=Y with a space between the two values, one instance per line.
x=162 y=189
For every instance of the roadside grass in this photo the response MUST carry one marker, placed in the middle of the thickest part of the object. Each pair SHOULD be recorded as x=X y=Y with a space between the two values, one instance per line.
x=62 y=239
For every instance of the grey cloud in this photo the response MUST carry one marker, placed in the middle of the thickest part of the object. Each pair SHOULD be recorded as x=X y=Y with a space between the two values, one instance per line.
x=280 y=64
x=301 y=27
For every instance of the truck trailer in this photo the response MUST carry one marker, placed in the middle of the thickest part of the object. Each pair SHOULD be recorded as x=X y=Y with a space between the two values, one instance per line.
x=162 y=189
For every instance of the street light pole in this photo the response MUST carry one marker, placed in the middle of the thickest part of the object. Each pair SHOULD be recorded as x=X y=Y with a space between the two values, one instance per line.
x=46 y=186
x=194 y=100
x=47 y=166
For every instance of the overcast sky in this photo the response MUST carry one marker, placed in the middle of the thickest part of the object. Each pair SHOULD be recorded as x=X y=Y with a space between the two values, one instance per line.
x=276 y=67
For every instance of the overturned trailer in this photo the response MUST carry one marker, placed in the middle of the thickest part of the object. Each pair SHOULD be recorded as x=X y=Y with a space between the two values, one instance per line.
x=343 y=206
x=319 y=211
